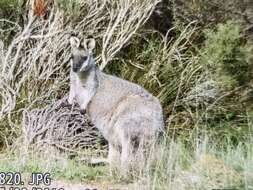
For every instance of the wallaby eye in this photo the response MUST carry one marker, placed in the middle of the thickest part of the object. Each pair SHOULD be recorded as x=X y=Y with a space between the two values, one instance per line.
x=84 y=58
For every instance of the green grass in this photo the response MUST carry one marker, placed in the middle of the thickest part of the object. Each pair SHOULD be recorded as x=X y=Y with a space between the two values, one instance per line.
x=205 y=166
x=59 y=168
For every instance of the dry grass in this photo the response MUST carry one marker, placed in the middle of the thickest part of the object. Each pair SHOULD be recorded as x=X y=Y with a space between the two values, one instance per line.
x=204 y=167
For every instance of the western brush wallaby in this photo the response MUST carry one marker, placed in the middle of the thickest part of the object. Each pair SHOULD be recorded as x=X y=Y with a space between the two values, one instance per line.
x=126 y=114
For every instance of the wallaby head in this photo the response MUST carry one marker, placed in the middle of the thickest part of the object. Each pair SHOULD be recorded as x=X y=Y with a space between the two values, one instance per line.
x=81 y=58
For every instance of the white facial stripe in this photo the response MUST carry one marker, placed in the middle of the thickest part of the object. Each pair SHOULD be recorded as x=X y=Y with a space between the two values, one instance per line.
x=85 y=64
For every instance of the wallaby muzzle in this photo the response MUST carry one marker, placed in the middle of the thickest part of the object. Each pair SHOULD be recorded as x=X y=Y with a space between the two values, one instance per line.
x=78 y=62
x=77 y=67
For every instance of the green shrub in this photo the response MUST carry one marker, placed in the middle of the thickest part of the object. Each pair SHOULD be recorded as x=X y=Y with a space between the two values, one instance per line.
x=9 y=5
x=227 y=56
x=209 y=13
x=70 y=7
x=10 y=10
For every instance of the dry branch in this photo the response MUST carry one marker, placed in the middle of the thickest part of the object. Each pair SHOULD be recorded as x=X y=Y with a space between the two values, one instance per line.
x=59 y=125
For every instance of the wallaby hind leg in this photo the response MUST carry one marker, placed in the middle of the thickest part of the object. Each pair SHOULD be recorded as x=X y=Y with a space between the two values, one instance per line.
x=126 y=157
x=113 y=157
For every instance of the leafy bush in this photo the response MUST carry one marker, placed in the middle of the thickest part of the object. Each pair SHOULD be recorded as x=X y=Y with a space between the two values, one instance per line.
x=209 y=13
x=70 y=7
x=8 y=6
x=10 y=14
x=227 y=56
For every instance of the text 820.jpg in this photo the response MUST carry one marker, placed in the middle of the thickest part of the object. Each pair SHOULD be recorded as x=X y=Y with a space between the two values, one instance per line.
x=10 y=178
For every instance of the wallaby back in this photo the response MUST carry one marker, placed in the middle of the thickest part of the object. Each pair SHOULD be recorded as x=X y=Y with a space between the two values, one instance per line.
x=117 y=99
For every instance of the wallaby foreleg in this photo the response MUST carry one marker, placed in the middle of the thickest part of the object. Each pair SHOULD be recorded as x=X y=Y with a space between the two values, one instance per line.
x=71 y=95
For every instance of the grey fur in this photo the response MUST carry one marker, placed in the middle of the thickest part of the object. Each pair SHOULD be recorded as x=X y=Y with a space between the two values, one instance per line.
x=126 y=114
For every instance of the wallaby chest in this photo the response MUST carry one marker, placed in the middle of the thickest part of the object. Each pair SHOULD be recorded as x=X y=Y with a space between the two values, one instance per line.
x=84 y=87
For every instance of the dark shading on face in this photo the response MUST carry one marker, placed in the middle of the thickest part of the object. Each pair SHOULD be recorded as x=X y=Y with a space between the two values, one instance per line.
x=78 y=61
x=81 y=54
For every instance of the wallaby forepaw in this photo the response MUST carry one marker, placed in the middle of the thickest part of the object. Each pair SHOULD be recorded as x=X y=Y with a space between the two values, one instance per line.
x=82 y=111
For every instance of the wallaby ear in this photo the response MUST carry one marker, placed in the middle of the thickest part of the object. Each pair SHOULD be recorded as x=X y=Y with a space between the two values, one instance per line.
x=74 y=42
x=89 y=44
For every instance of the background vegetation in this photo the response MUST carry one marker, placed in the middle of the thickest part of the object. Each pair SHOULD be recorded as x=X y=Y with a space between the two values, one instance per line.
x=196 y=56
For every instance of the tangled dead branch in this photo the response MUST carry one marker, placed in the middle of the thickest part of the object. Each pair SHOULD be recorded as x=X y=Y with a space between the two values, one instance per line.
x=59 y=125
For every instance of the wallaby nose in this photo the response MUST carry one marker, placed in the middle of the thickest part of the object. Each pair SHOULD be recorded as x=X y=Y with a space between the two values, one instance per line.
x=76 y=69
x=76 y=66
